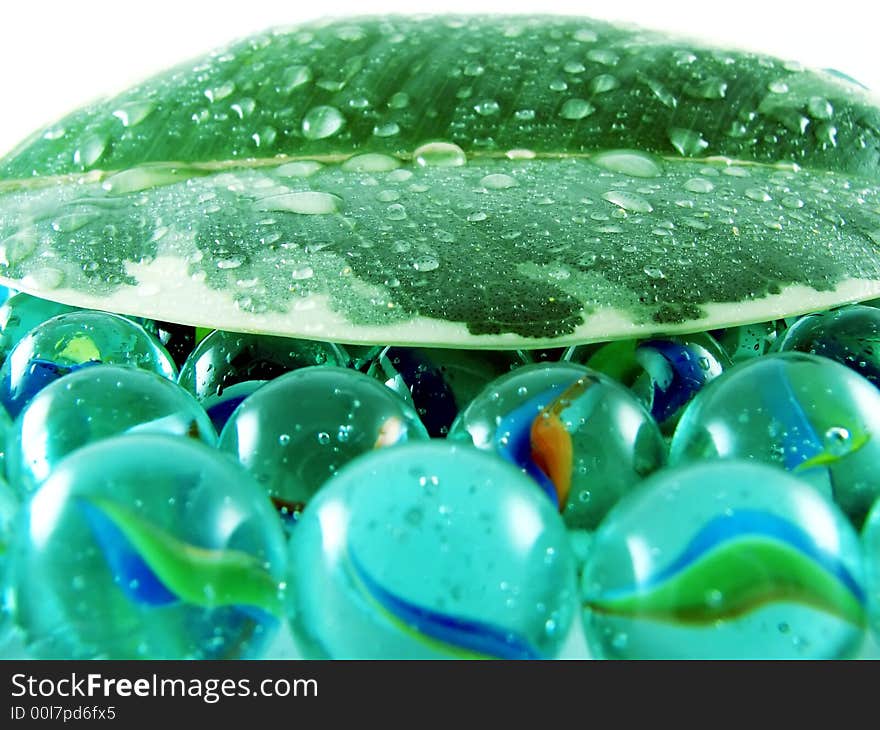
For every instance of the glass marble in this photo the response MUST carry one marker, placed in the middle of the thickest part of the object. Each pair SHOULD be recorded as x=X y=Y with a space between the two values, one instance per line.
x=20 y=314
x=850 y=335
x=730 y=560
x=74 y=341
x=225 y=358
x=178 y=339
x=582 y=437
x=5 y=426
x=431 y=551
x=803 y=413
x=93 y=404
x=148 y=547
x=295 y=431
x=221 y=407
x=440 y=382
x=871 y=546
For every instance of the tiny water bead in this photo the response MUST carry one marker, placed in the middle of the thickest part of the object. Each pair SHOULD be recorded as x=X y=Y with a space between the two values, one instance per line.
x=806 y=414
x=93 y=404
x=431 y=551
x=223 y=359
x=295 y=432
x=582 y=437
x=850 y=335
x=440 y=382
x=148 y=546
x=724 y=561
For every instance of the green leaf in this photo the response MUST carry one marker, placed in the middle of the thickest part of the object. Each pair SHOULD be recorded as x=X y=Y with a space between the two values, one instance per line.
x=479 y=182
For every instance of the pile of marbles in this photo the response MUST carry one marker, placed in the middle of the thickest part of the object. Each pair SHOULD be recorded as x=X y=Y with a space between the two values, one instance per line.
x=173 y=492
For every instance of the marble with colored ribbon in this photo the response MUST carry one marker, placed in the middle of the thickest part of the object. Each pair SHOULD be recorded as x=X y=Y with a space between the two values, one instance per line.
x=807 y=414
x=429 y=551
x=583 y=438
x=725 y=560
x=148 y=547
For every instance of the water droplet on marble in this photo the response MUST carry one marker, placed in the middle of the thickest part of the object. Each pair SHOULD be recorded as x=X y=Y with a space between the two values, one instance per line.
x=440 y=154
x=575 y=109
x=628 y=201
x=321 y=122
x=628 y=162
x=686 y=141
x=371 y=162
x=498 y=181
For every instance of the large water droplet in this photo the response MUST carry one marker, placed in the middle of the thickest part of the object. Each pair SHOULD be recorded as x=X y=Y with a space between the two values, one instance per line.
x=305 y=203
x=133 y=113
x=299 y=168
x=576 y=109
x=294 y=77
x=426 y=263
x=604 y=82
x=628 y=162
x=713 y=88
x=687 y=141
x=321 y=122
x=498 y=181
x=440 y=154
x=699 y=185
x=628 y=201
x=90 y=151
x=371 y=162
x=820 y=108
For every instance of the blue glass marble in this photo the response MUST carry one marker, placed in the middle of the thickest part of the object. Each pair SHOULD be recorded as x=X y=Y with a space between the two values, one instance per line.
x=148 y=547
x=725 y=561
x=20 y=314
x=850 y=335
x=93 y=404
x=294 y=432
x=583 y=438
x=803 y=413
x=440 y=382
x=223 y=359
x=75 y=341
x=431 y=551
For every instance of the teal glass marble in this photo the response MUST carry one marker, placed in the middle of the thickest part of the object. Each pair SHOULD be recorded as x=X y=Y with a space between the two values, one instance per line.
x=74 y=341
x=871 y=546
x=148 y=547
x=20 y=314
x=582 y=437
x=730 y=560
x=93 y=404
x=224 y=358
x=431 y=551
x=438 y=383
x=803 y=413
x=294 y=432
x=850 y=335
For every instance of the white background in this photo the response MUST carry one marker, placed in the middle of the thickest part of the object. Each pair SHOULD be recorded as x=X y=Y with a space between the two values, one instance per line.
x=55 y=56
